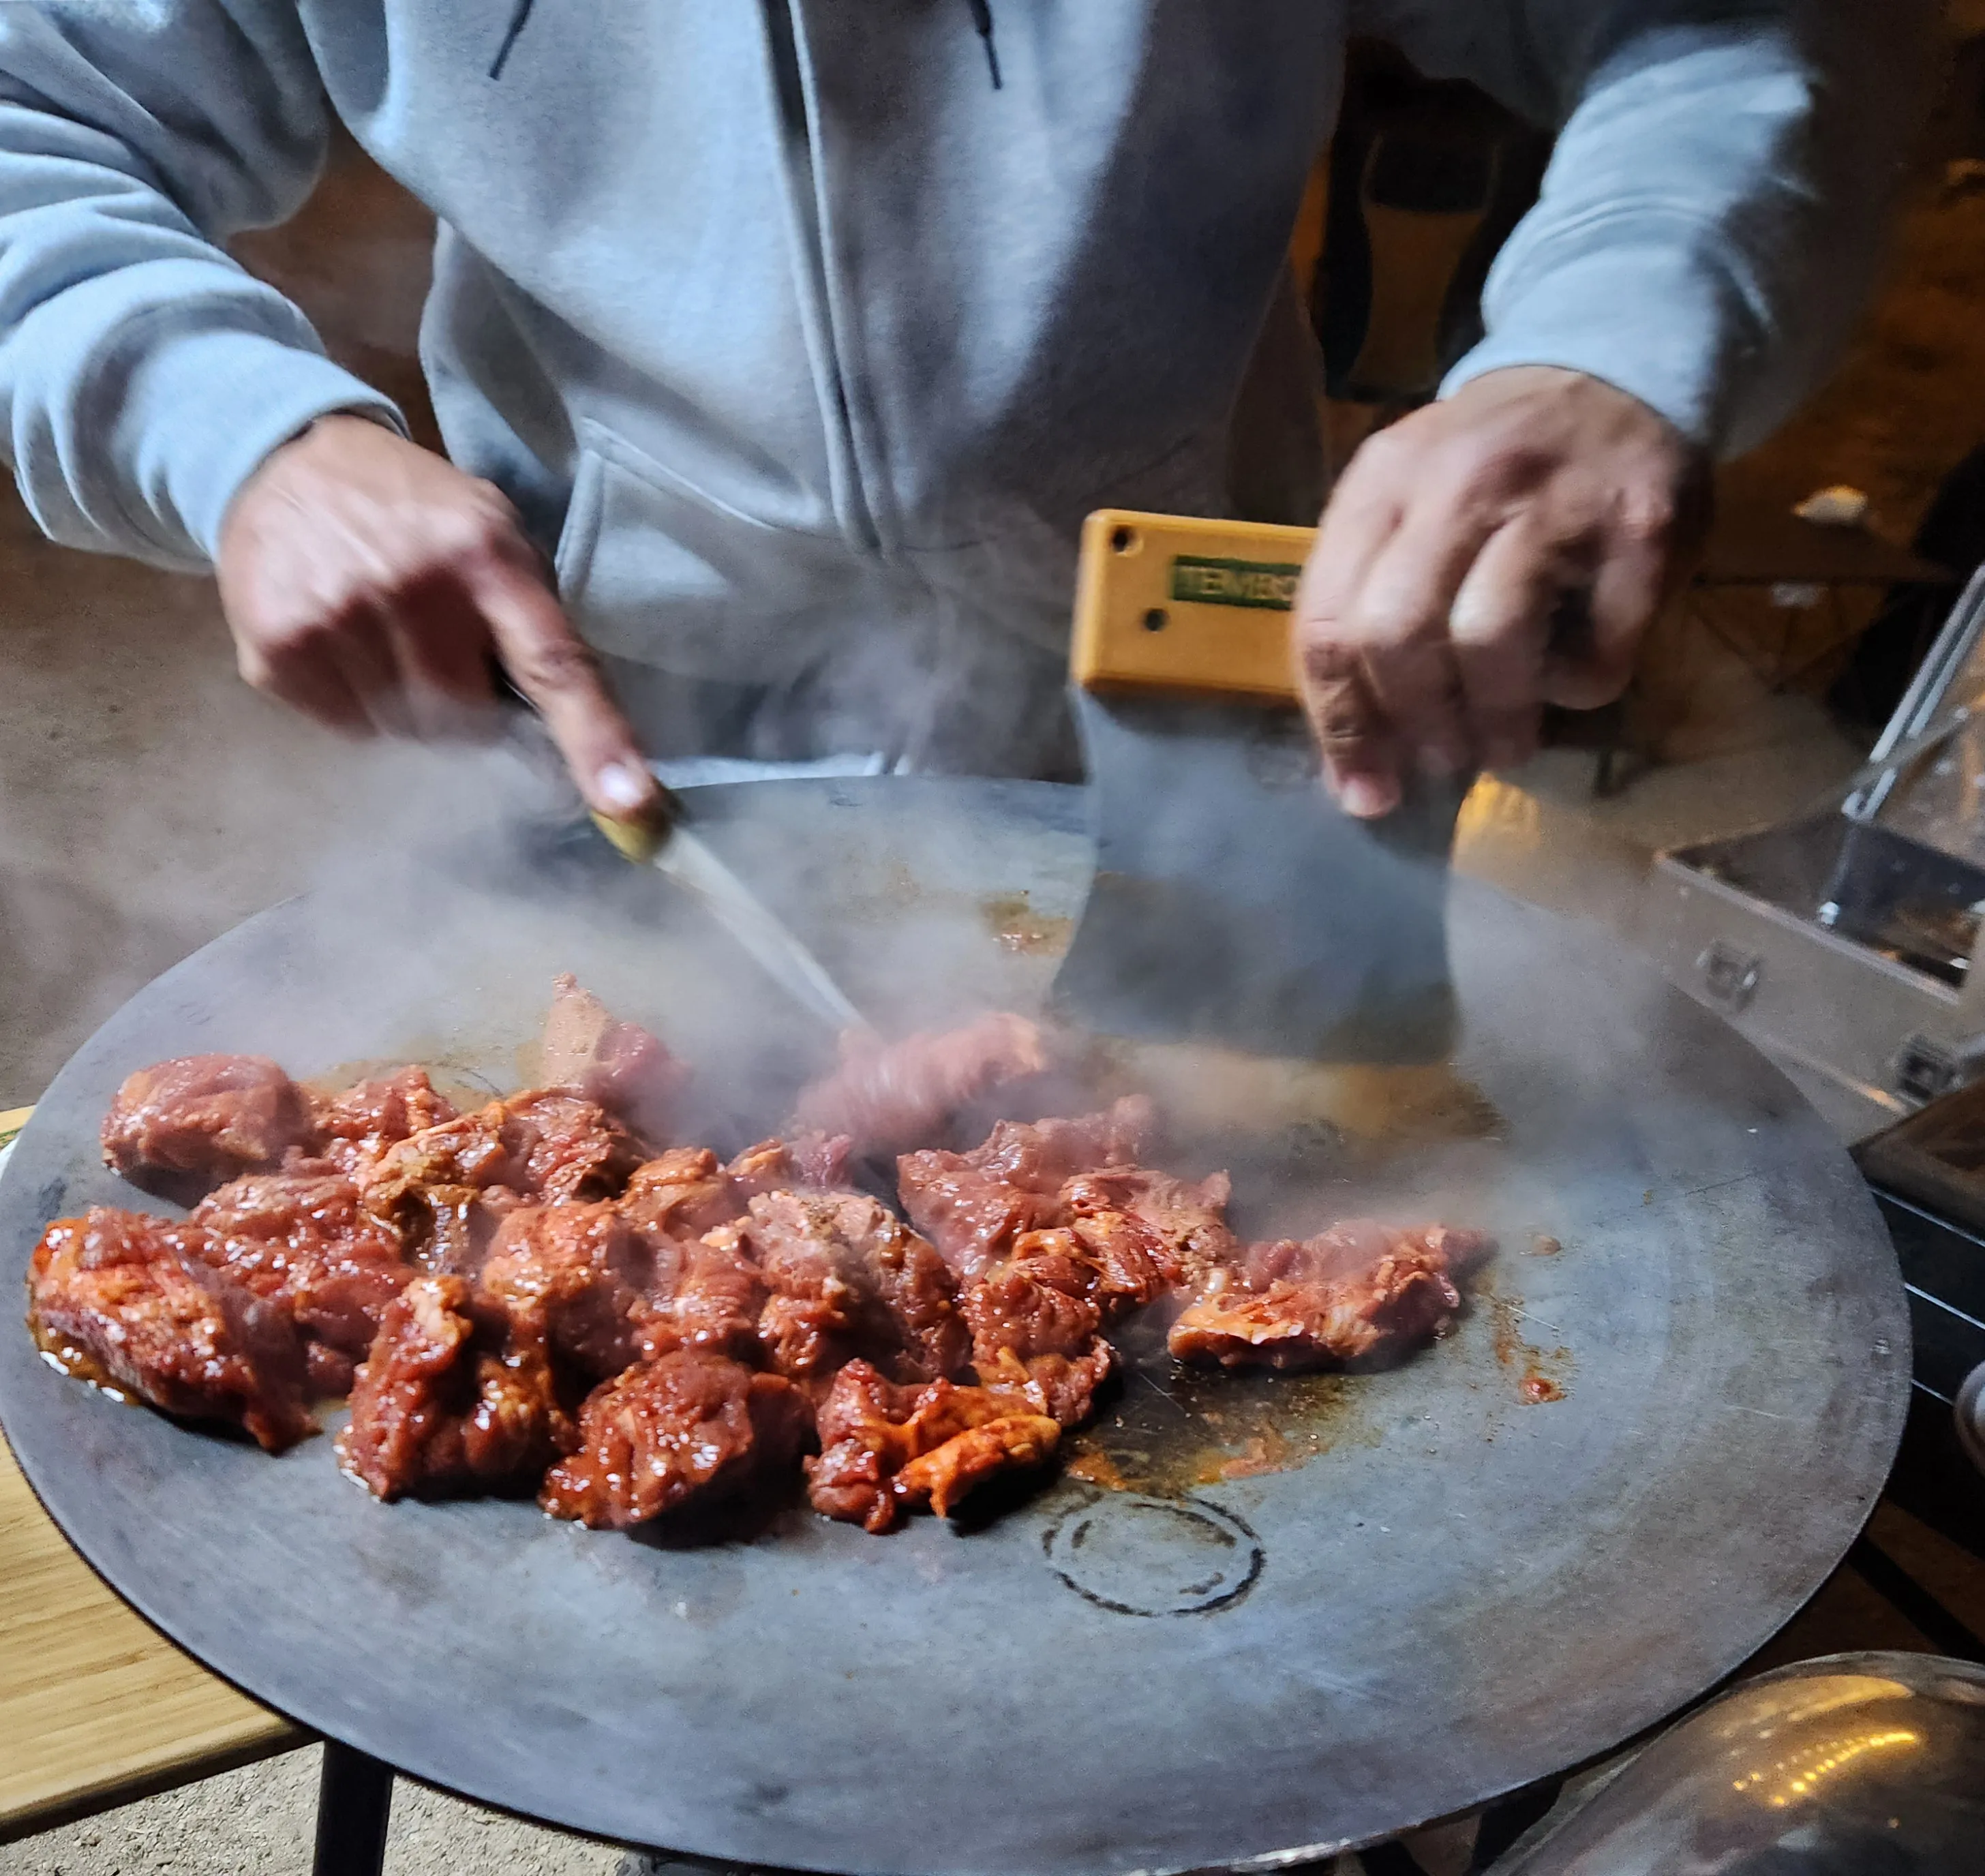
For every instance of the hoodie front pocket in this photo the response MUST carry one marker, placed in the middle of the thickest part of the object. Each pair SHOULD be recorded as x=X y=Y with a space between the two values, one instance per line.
x=654 y=569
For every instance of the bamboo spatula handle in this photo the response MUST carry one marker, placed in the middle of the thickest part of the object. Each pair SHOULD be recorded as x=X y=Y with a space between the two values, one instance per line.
x=1169 y=602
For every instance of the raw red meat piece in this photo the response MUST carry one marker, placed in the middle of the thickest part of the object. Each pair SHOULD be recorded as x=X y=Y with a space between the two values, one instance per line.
x=886 y=1449
x=354 y=1128
x=581 y=1271
x=182 y=1126
x=684 y=1426
x=848 y=1278
x=890 y=1096
x=137 y=1302
x=1359 y=1292
x=680 y=1194
x=973 y=1206
x=456 y=1395
x=707 y=1295
x=620 y=1065
x=300 y=1240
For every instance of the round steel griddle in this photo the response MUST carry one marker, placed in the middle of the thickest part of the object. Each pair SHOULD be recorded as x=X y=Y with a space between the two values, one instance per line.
x=1461 y=1594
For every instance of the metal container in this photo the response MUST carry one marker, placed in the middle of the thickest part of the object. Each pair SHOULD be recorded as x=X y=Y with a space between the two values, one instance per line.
x=1846 y=942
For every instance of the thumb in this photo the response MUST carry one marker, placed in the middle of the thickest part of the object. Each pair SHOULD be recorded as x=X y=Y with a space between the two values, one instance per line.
x=553 y=667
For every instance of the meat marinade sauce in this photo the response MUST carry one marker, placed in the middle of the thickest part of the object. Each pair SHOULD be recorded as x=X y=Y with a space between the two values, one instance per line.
x=531 y=1298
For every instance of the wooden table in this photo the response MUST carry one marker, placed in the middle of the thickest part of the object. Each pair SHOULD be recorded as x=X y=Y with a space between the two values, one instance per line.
x=97 y=1708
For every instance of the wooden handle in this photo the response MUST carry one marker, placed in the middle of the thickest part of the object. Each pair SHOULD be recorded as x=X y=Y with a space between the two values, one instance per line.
x=1170 y=603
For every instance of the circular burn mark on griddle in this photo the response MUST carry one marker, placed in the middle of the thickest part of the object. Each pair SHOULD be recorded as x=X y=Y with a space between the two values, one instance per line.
x=1138 y=1556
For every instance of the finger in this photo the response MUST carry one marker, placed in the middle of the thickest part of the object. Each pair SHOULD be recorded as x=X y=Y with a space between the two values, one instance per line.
x=1500 y=625
x=1627 y=591
x=1360 y=764
x=1401 y=621
x=441 y=645
x=1361 y=760
x=1363 y=511
x=364 y=657
x=548 y=663
x=308 y=679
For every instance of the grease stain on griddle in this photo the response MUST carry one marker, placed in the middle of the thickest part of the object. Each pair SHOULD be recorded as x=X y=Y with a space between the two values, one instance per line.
x=1540 y=1373
x=1170 y=1430
x=1016 y=925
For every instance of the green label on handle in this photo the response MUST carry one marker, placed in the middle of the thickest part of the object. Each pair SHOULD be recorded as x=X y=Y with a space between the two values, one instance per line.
x=1263 y=584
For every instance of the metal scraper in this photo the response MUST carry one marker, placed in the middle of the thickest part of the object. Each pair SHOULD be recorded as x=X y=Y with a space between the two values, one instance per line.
x=1234 y=902
x=668 y=845
x=665 y=841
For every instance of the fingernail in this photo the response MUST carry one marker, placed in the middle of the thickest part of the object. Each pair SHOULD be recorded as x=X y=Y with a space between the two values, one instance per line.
x=1366 y=796
x=624 y=787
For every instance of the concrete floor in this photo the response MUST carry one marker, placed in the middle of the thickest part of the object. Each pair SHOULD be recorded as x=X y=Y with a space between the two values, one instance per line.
x=148 y=802
x=258 y=1821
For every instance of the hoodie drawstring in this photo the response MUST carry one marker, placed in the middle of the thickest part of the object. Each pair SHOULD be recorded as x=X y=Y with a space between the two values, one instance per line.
x=982 y=17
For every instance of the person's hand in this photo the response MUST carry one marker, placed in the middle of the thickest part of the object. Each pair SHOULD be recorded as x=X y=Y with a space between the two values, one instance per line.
x=1423 y=619
x=369 y=583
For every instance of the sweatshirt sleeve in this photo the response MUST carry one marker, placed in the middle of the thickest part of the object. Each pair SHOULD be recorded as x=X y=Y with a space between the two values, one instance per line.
x=1714 y=214
x=143 y=374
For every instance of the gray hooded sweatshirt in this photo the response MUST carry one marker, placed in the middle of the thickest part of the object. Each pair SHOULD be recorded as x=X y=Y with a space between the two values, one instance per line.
x=804 y=347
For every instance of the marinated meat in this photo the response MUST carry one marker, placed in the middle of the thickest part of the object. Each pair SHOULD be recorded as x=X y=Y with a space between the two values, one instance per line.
x=1350 y=1248
x=1133 y=1265
x=681 y=1194
x=973 y=1216
x=1039 y=1301
x=1330 y=1309
x=1007 y=1443
x=456 y=1395
x=138 y=1303
x=889 y=1097
x=620 y=1065
x=707 y=1295
x=815 y=1161
x=1063 y=1387
x=848 y=1278
x=446 y=1189
x=572 y=1148
x=581 y=1271
x=353 y=1129
x=301 y=1240
x=488 y=1265
x=183 y=1126
x=1036 y=1323
x=1184 y=1237
x=1041 y=1154
x=973 y=1206
x=685 y=1426
x=887 y=1449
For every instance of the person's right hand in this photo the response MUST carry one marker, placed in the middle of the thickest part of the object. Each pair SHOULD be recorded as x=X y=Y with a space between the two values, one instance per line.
x=368 y=582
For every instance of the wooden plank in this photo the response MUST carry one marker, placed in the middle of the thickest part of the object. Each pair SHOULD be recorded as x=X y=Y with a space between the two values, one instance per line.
x=96 y=1707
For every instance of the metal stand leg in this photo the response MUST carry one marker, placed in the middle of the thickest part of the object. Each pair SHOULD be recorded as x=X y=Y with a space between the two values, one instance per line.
x=355 y=1798
x=1503 y=1823
x=1389 y=1859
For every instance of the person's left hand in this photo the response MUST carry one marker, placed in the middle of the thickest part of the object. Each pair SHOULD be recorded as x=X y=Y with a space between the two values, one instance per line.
x=1423 y=617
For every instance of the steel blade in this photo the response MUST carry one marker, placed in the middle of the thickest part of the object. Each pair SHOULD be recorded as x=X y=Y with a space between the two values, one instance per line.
x=686 y=859
x=1235 y=902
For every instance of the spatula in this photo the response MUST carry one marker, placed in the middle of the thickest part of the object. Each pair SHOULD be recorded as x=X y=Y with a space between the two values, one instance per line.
x=1234 y=903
